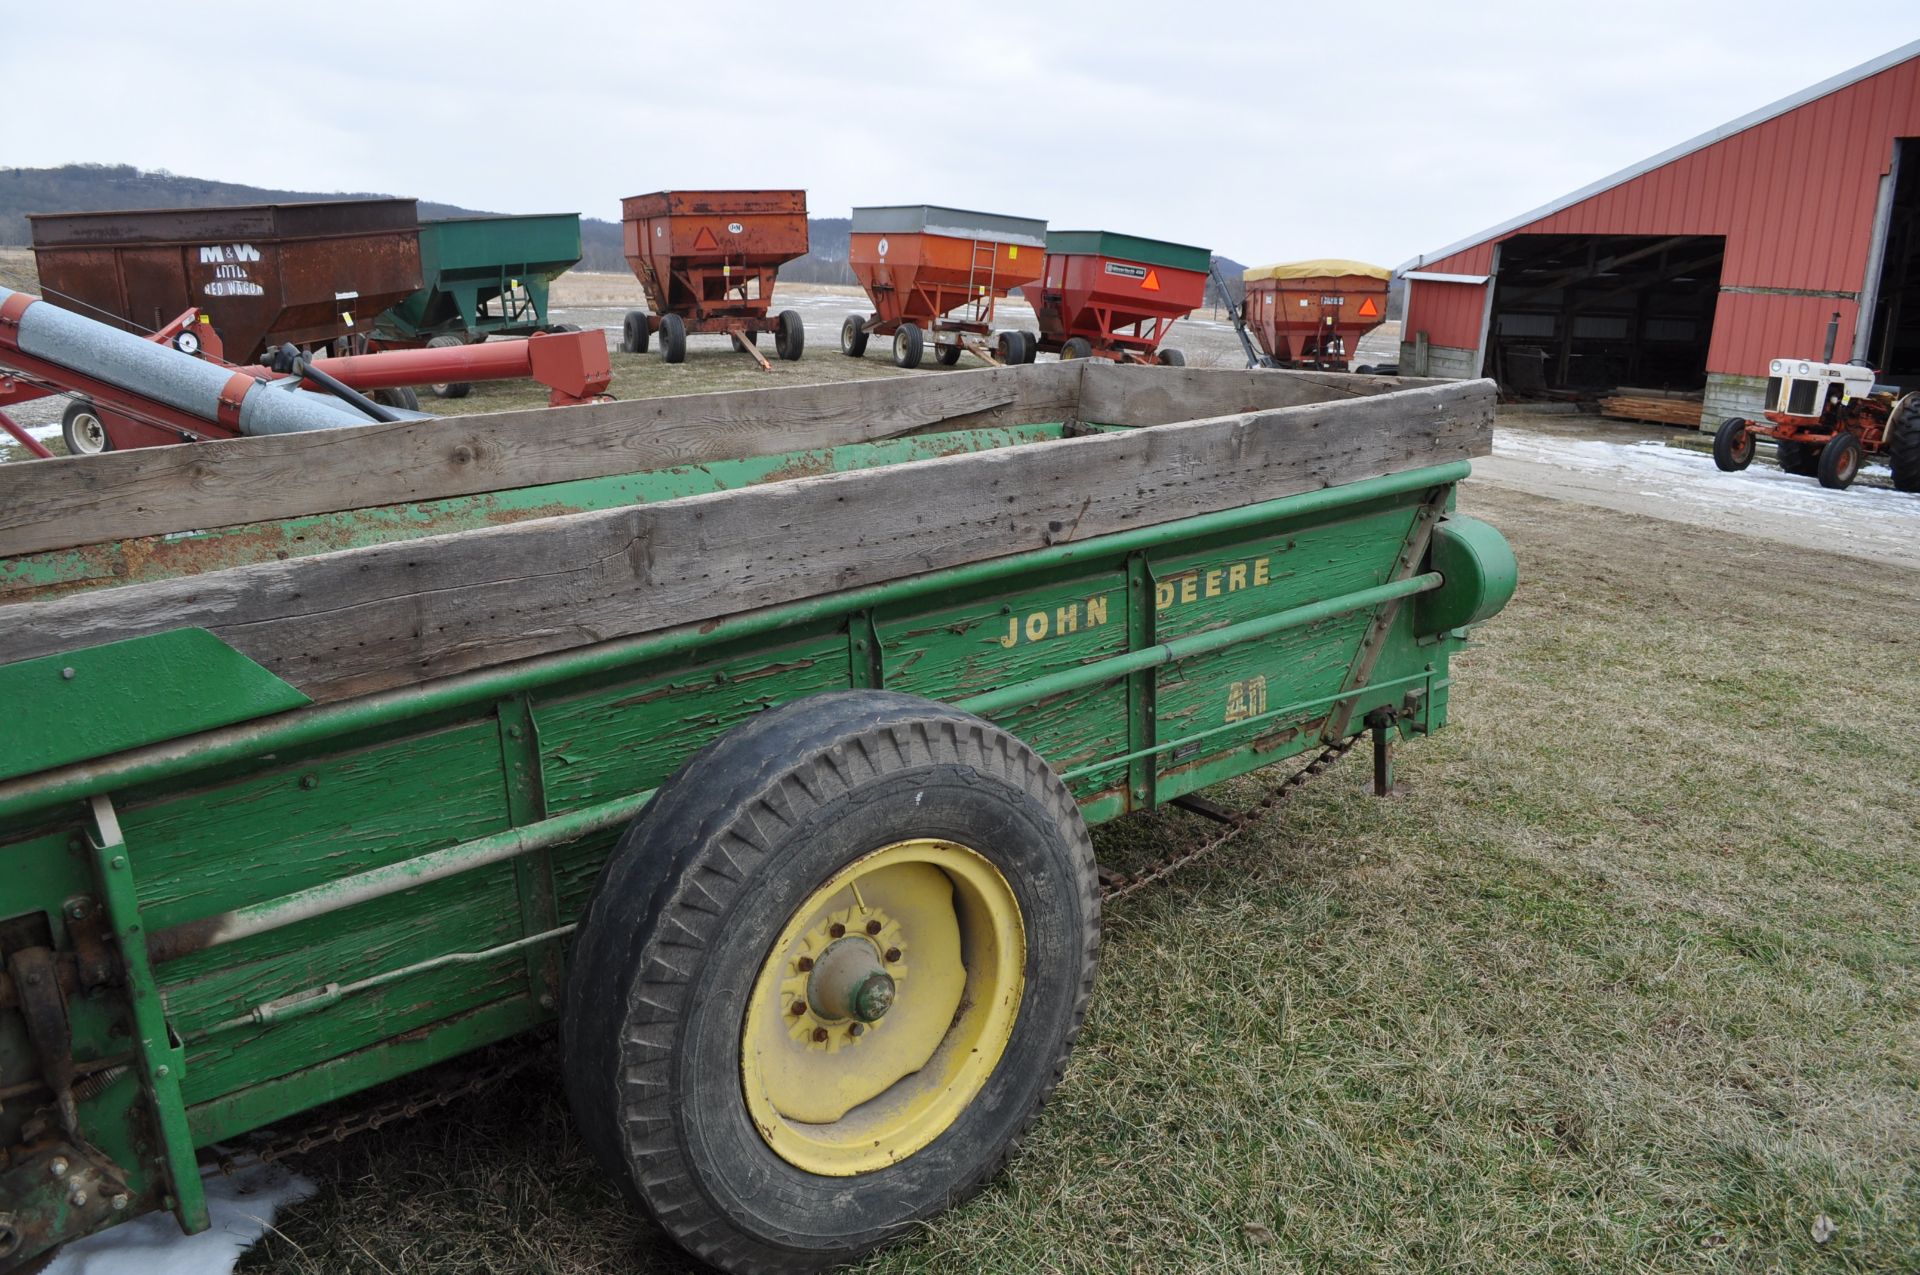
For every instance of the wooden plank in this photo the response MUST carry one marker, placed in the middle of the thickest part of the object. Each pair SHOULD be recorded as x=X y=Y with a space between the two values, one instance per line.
x=347 y=623
x=1130 y=394
x=153 y=491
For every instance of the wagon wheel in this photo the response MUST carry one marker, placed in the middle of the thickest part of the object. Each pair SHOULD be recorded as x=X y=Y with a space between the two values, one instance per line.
x=1011 y=347
x=447 y=389
x=907 y=345
x=634 y=333
x=790 y=337
x=1903 y=442
x=1802 y=459
x=853 y=336
x=1173 y=358
x=742 y=340
x=406 y=400
x=948 y=355
x=873 y=912
x=1076 y=347
x=1840 y=461
x=1033 y=346
x=82 y=429
x=673 y=339
x=1733 y=445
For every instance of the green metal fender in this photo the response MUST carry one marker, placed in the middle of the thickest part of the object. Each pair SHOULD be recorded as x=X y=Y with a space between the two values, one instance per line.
x=1480 y=573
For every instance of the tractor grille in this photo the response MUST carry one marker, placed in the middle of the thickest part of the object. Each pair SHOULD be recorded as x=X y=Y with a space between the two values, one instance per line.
x=1773 y=395
x=1801 y=396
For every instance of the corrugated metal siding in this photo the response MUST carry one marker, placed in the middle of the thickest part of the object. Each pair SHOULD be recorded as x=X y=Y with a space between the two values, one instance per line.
x=1794 y=196
x=1449 y=313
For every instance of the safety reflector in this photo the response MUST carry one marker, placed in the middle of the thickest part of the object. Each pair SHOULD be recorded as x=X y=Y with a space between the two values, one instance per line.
x=1152 y=282
x=1368 y=310
x=705 y=240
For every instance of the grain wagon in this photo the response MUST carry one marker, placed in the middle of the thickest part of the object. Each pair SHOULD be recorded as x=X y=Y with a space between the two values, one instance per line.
x=753 y=737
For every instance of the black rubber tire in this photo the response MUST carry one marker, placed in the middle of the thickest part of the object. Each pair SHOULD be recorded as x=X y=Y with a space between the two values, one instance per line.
x=740 y=341
x=1903 y=442
x=1733 y=445
x=634 y=333
x=693 y=896
x=1076 y=347
x=405 y=398
x=1033 y=345
x=475 y=338
x=559 y=328
x=1800 y=459
x=82 y=429
x=673 y=339
x=853 y=336
x=790 y=338
x=1011 y=347
x=948 y=355
x=1173 y=358
x=1840 y=461
x=908 y=345
x=445 y=389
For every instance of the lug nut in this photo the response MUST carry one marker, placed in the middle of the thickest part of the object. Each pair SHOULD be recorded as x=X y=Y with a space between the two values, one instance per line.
x=873 y=927
x=893 y=954
x=804 y=964
x=78 y=1199
x=798 y=1008
x=858 y=1029
x=119 y=1202
x=820 y=1035
x=837 y=930
x=58 y=1168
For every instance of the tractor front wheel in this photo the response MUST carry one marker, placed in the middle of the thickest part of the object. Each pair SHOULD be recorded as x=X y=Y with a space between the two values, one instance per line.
x=829 y=976
x=1903 y=442
x=1733 y=445
x=1840 y=461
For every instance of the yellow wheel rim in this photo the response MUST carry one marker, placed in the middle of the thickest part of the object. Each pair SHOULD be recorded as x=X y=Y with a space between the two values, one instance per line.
x=923 y=940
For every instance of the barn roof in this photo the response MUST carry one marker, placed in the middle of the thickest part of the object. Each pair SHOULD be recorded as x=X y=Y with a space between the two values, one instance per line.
x=1790 y=103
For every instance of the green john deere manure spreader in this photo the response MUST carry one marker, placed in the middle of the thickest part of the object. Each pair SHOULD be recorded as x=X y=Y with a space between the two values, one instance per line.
x=753 y=737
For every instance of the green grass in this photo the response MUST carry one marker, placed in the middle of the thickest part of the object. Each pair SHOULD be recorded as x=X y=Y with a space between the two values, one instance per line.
x=1628 y=981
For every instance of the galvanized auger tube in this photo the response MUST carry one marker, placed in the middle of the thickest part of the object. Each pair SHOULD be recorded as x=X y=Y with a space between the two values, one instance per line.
x=165 y=375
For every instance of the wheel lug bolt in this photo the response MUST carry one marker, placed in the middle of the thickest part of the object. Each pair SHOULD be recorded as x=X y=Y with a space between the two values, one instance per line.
x=804 y=964
x=893 y=954
x=873 y=927
x=799 y=1008
x=837 y=930
x=858 y=1029
x=820 y=1035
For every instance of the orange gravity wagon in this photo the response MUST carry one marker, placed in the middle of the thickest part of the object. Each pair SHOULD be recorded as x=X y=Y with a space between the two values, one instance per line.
x=707 y=259
x=1312 y=314
x=938 y=272
x=1116 y=296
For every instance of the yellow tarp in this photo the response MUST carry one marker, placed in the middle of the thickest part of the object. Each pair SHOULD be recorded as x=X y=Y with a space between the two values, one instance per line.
x=1323 y=268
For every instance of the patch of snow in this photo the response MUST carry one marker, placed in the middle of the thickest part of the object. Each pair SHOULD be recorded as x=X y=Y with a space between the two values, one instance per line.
x=242 y=1207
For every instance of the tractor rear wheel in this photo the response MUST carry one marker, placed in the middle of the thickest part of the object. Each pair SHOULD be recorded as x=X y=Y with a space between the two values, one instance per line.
x=634 y=333
x=908 y=345
x=853 y=336
x=1802 y=459
x=829 y=976
x=1903 y=442
x=790 y=338
x=1840 y=461
x=1733 y=445
x=448 y=389
x=673 y=339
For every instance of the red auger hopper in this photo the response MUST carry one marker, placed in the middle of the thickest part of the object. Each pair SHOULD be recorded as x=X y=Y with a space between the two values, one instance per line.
x=264 y=274
x=707 y=259
x=1313 y=313
x=940 y=271
x=1116 y=295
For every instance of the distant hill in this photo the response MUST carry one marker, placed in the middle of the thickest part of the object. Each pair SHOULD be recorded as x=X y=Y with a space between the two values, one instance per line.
x=107 y=187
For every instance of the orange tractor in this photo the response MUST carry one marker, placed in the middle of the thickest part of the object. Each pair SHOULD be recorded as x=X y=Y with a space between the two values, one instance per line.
x=1826 y=419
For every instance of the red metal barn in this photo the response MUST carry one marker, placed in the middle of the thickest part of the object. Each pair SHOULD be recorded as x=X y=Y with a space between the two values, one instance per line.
x=1693 y=269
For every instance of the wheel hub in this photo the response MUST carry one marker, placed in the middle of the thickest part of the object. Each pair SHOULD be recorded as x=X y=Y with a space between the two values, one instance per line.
x=844 y=977
x=849 y=981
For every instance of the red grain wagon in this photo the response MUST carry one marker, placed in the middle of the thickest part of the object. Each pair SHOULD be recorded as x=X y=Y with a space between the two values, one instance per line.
x=1116 y=295
x=708 y=259
x=1313 y=313
x=939 y=272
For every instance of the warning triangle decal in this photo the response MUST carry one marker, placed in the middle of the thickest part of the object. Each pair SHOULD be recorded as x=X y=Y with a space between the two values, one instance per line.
x=704 y=241
x=1152 y=282
x=1368 y=310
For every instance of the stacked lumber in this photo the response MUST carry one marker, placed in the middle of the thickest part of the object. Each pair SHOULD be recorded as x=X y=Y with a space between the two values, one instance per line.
x=1656 y=408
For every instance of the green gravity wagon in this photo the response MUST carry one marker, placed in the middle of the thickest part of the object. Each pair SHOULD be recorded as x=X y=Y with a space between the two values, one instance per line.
x=752 y=738
x=484 y=276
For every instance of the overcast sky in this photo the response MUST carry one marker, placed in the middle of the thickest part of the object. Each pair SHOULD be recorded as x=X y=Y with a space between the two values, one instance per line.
x=1263 y=131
